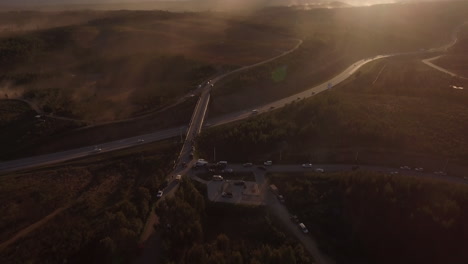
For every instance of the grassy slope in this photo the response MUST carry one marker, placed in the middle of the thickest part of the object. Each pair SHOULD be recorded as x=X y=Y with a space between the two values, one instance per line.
x=110 y=196
x=409 y=115
x=364 y=217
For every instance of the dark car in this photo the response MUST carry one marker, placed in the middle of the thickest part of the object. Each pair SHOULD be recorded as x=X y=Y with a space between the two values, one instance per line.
x=261 y=167
x=239 y=183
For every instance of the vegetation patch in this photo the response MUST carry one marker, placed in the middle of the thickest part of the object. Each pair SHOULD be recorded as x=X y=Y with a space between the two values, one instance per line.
x=366 y=217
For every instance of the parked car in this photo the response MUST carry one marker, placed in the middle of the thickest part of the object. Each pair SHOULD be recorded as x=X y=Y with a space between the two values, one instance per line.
x=281 y=198
x=419 y=169
x=228 y=170
x=226 y=194
x=307 y=165
x=261 y=168
x=320 y=170
x=294 y=218
x=393 y=172
x=141 y=140
x=240 y=183
x=248 y=164
x=303 y=228
x=268 y=163
x=159 y=194
x=218 y=178
x=405 y=168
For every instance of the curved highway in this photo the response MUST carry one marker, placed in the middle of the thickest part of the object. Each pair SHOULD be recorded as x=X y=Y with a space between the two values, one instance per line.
x=198 y=117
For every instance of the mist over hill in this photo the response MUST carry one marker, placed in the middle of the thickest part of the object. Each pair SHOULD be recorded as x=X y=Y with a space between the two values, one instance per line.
x=190 y=5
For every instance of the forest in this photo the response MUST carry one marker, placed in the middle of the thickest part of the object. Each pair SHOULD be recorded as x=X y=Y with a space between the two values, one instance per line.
x=194 y=230
x=369 y=217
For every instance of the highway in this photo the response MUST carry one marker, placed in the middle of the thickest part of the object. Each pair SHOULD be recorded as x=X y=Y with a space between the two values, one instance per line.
x=198 y=116
x=57 y=157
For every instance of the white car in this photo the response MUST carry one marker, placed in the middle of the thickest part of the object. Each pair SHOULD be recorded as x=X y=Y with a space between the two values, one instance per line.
x=419 y=169
x=268 y=163
x=405 y=168
x=307 y=165
x=160 y=194
x=320 y=170
x=218 y=178
x=303 y=228
x=97 y=149
x=393 y=172
x=255 y=111
x=141 y=140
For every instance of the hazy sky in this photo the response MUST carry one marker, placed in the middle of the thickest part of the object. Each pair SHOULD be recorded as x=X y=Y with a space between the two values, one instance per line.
x=41 y=2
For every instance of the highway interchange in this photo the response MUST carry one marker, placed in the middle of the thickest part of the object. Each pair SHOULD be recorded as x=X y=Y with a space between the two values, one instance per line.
x=186 y=159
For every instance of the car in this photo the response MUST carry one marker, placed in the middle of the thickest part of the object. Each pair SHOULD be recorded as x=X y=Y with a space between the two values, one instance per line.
x=307 y=165
x=272 y=107
x=248 y=164
x=218 y=178
x=178 y=178
x=97 y=149
x=226 y=194
x=294 y=218
x=141 y=140
x=355 y=167
x=281 y=198
x=440 y=173
x=419 y=169
x=184 y=164
x=303 y=228
x=393 y=172
x=255 y=111
x=228 y=170
x=239 y=183
x=212 y=85
x=319 y=170
x=261 y=168
x=405 y=168
x=268 y=163
x=159 y=194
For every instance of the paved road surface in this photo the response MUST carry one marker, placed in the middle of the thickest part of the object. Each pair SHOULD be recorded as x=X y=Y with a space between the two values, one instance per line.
x=47 y=159
x=202 y=104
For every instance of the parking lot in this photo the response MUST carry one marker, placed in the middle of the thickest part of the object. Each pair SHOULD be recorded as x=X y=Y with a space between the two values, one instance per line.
x=241 y=194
